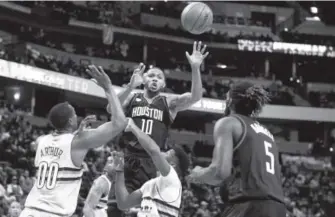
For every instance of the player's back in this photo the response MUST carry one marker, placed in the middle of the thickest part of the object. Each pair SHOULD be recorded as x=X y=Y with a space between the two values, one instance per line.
x=256 y=170
x=153 y=118
x=58 y=180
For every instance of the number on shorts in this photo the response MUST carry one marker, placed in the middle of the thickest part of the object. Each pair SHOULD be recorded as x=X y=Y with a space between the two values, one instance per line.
x=47 y=175
x=270 y=166
x=147 y=126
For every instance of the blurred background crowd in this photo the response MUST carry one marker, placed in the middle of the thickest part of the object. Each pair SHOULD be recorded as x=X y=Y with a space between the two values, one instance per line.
x=65 y=37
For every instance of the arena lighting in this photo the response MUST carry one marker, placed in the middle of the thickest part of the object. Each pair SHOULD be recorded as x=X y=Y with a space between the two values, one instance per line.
x=221 y=66
x=17 y=96
x=316 y=18
x=314 y=10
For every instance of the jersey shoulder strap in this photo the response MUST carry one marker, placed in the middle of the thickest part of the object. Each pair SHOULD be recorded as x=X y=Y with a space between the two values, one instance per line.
x=242 y=120
x=131 y=103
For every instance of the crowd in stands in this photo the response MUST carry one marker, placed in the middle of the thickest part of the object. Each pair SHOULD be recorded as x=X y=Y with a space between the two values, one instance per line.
x=308 y=181
x=120 y=75
x=296 y=37
x=112 y=13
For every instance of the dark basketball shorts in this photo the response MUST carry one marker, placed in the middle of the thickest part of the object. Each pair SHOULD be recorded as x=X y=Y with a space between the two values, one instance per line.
x=255 y=208
x=137 y=171
x=113 y=211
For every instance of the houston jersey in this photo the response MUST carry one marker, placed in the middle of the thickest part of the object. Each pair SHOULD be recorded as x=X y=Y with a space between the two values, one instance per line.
x=104 y=199
x=58 y=181
x=256 y=170
x=161 y=196
x=153 y=118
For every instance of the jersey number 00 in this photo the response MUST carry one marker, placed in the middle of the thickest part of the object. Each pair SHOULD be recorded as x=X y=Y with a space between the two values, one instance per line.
x=47 y=175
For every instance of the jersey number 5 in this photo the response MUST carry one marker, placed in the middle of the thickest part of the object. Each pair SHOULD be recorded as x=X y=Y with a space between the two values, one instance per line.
x=270 y=166
x=47 y=175
x=147 y=126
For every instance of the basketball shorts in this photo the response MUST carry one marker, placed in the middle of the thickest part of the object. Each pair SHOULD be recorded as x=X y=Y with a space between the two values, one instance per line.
x=27 y=212
x=138 y=170
x=256 y=208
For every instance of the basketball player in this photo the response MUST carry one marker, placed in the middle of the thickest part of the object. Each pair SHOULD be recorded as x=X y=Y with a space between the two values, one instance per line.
x=96 y=201
x=245 y=158
x=59 y=155
x=153 y=113
x=160 y=196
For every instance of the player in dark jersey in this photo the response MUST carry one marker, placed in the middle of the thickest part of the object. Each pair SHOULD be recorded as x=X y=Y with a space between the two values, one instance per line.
x=245 y=158
x=154 y=113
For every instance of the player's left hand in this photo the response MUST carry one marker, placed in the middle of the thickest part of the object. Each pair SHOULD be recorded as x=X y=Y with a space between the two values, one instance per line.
x=198 y=54
x=99 y=76
x=86 y=121
x=118 y=161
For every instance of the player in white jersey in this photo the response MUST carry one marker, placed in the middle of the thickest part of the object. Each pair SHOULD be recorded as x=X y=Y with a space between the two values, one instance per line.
x=59 y=155
x=97 y=199
x=160 y=196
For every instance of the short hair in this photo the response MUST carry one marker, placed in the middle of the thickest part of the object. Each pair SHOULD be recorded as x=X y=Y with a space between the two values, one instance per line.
x=158 y=69
x=248 y=99
x=184 y=161
x=59 y=115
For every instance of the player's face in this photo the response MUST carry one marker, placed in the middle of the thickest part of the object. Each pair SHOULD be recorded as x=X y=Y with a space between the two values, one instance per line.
x=109 y=168
x=171 y=158
x=154 y=80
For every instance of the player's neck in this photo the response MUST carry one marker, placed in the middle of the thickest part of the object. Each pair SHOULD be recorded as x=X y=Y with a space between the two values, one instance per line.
x=150 y=95
x=64 y=131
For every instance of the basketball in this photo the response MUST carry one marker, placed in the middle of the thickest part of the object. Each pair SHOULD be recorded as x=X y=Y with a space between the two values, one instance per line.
x=197 y=18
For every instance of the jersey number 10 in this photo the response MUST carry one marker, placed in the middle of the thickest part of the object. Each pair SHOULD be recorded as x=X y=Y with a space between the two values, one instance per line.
x=47 y=175
x=147 y=126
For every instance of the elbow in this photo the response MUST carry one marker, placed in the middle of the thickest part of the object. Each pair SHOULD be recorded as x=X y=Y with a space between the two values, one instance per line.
x=223 y=174
x=120 y=122
x=197 y=96
x=220 y=172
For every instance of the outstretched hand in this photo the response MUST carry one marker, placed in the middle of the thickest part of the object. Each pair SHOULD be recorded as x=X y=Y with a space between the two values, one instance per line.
x=99 y=76
x=198 y=54
x=137 y=77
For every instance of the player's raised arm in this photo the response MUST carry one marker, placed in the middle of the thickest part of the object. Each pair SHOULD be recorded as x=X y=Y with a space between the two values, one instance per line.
x=100 y=187
x=184 y=101
x=86 y=139
x=221 y=165
x=150 y=146
x=123 y=198
x=136 y=80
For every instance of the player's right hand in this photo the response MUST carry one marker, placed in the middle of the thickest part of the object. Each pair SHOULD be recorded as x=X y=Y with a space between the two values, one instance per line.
x=99 y=76
x=129 y=125
x=137 y=77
